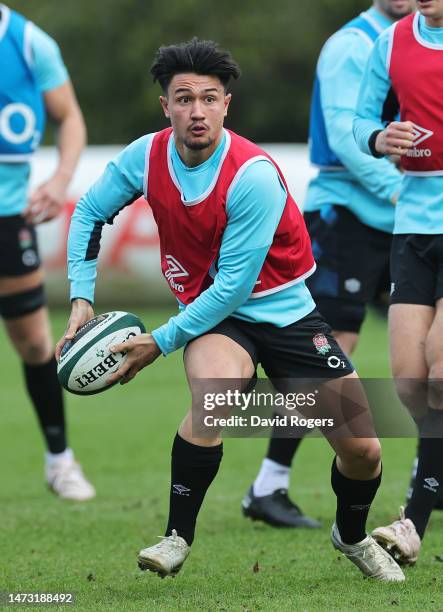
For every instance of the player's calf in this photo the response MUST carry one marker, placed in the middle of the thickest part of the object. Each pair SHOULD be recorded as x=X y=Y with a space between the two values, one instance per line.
x=354 y=499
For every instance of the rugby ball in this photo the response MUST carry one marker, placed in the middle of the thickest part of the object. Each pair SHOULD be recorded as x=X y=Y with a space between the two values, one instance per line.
x=86 y=361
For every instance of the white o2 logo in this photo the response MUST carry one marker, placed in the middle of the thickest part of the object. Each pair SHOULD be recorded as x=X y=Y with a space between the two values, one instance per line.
x=29 y=122
x=335 y=362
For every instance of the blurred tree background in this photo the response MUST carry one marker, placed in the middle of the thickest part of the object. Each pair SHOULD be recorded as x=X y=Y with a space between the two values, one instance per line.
x=108 y=47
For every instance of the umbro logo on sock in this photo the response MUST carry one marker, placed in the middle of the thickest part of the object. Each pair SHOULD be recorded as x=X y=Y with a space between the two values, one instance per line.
x=431 y=484
x=179 y=489
x=360 y=506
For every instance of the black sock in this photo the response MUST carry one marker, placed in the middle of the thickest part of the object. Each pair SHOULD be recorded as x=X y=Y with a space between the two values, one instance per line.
x=193 y=468
x=282 y=450
x=354 y=498
x=429 y=475
x=46 y=395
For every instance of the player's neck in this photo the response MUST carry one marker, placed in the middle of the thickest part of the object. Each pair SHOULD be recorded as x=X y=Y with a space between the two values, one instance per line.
x=434 y=22
x=380 y=11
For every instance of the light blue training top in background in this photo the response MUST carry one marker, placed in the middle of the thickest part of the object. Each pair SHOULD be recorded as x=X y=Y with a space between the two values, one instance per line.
x=419 y=208
x=22 y=109
x=29 y=56
x=254 y=209
x=347 y=177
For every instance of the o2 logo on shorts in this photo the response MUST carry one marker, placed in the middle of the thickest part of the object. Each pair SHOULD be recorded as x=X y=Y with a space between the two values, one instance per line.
x=29 y=258
x=335 y=362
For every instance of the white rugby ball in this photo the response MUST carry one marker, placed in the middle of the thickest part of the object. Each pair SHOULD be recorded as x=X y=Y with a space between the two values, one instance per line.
x=86 y=361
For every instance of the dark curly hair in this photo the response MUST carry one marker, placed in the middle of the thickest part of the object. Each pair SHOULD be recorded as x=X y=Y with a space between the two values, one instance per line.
x=203 y=57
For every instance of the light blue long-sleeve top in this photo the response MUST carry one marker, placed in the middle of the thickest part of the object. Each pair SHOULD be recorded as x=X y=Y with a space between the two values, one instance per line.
x=419 y=208
x=50 y=72
x=366 y=185
x=254 y=208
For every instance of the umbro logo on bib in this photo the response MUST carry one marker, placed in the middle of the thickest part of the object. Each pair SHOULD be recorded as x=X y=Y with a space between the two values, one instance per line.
x=175 y=270
x=420 y=135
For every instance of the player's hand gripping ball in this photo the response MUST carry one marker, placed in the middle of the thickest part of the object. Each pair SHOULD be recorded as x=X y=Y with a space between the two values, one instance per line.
x=86 y=361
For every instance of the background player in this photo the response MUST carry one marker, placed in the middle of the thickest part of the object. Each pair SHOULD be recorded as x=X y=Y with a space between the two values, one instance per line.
x=404 y=72
x=349 y=214
x=227 y=229
x=34 y=80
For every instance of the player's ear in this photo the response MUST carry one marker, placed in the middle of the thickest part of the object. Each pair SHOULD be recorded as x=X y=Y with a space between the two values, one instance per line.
x=227 y=102
x=164 y=103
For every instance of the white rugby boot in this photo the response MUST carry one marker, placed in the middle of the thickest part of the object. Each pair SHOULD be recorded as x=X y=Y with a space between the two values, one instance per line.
x=400 y=539
x=165 y=558
x=66 y=479
x=369 y=557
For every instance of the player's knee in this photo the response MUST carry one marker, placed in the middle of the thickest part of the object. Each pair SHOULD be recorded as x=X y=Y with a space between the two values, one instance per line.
x=412 y=393
x=196 y=435
x=435 y=386
x=35 y=350
x=436 y=373
x=212 y=396
x=372 y=454
x=365 y=454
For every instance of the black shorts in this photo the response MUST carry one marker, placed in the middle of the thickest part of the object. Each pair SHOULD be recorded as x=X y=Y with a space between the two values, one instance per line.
x=417 y=269
x=18 y=247
x=352 y=265
x=304 y=349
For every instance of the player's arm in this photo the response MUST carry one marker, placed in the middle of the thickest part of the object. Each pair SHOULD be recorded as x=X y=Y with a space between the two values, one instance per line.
x=62 y=107
x=340 y=69
x=371 y=133
x=47 y=200
x=254 y=210
x=120 y=185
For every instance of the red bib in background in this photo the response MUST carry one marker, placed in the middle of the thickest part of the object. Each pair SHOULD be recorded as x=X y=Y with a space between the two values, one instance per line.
x=416 y=72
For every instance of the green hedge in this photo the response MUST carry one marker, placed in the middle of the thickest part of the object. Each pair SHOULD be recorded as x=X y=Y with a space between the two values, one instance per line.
x=108 y=46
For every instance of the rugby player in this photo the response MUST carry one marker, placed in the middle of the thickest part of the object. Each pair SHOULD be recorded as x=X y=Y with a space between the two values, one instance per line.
x=34 y=81
x=235 y=252
x=349 y=214
x=404 y=73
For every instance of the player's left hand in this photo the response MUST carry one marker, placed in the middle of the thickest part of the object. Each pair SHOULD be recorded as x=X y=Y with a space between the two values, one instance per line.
x=46 y=201
x=141 y=351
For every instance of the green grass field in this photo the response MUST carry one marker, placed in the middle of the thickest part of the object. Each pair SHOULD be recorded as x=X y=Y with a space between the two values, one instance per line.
x=123 y=440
